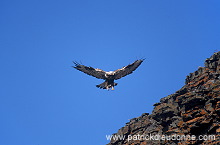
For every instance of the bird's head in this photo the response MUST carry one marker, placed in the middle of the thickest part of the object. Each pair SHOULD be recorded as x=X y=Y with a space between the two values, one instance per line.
x=110 y=73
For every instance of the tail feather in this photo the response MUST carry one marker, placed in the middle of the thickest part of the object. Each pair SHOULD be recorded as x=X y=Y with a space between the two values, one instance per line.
x=106 y=85
x=102 y=85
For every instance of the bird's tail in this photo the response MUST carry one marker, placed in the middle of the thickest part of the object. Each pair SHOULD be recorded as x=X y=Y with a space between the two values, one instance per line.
x=102 y=85
x=106 y=85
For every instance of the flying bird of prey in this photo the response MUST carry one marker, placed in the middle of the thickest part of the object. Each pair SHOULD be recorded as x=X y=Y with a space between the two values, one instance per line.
x=110 y=76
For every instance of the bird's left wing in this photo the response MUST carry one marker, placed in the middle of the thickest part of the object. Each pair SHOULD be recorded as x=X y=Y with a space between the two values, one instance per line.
x=98 y=73
x=127 y=69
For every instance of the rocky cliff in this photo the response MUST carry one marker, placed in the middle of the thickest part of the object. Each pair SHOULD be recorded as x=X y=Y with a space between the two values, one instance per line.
x=189 y=116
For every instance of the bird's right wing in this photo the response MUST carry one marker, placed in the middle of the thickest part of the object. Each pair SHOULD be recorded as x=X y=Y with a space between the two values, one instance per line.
x=98 y=73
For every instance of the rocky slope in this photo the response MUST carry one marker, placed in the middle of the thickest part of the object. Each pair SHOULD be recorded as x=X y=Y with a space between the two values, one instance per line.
x=189 y=116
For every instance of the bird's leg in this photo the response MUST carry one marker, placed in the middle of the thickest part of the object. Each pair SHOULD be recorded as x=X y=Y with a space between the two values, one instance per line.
x=112 y=87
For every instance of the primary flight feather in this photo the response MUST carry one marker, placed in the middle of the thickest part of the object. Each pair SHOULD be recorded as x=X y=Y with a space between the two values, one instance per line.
x=110 y=76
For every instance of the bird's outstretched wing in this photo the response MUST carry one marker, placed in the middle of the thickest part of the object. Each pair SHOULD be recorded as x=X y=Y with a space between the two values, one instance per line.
x=98 y=73
x=127 y=69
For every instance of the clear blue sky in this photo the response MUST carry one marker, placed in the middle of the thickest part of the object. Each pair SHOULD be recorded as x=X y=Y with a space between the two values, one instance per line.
x=44 y=101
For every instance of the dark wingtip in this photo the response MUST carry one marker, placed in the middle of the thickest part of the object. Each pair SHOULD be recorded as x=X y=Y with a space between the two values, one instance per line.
x=76 y=64
x=142 y=59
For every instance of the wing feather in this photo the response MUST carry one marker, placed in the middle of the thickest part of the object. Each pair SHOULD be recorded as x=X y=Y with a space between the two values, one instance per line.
x=98 y=73
x=127 y=69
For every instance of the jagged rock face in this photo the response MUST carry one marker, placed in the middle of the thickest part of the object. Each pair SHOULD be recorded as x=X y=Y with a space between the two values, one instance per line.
x=194 y=110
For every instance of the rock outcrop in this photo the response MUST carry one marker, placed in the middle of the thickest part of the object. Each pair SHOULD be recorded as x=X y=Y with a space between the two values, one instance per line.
x=189 y=116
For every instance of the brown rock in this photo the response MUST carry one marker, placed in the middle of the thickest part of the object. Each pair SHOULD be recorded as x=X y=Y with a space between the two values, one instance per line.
x=192 y=111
